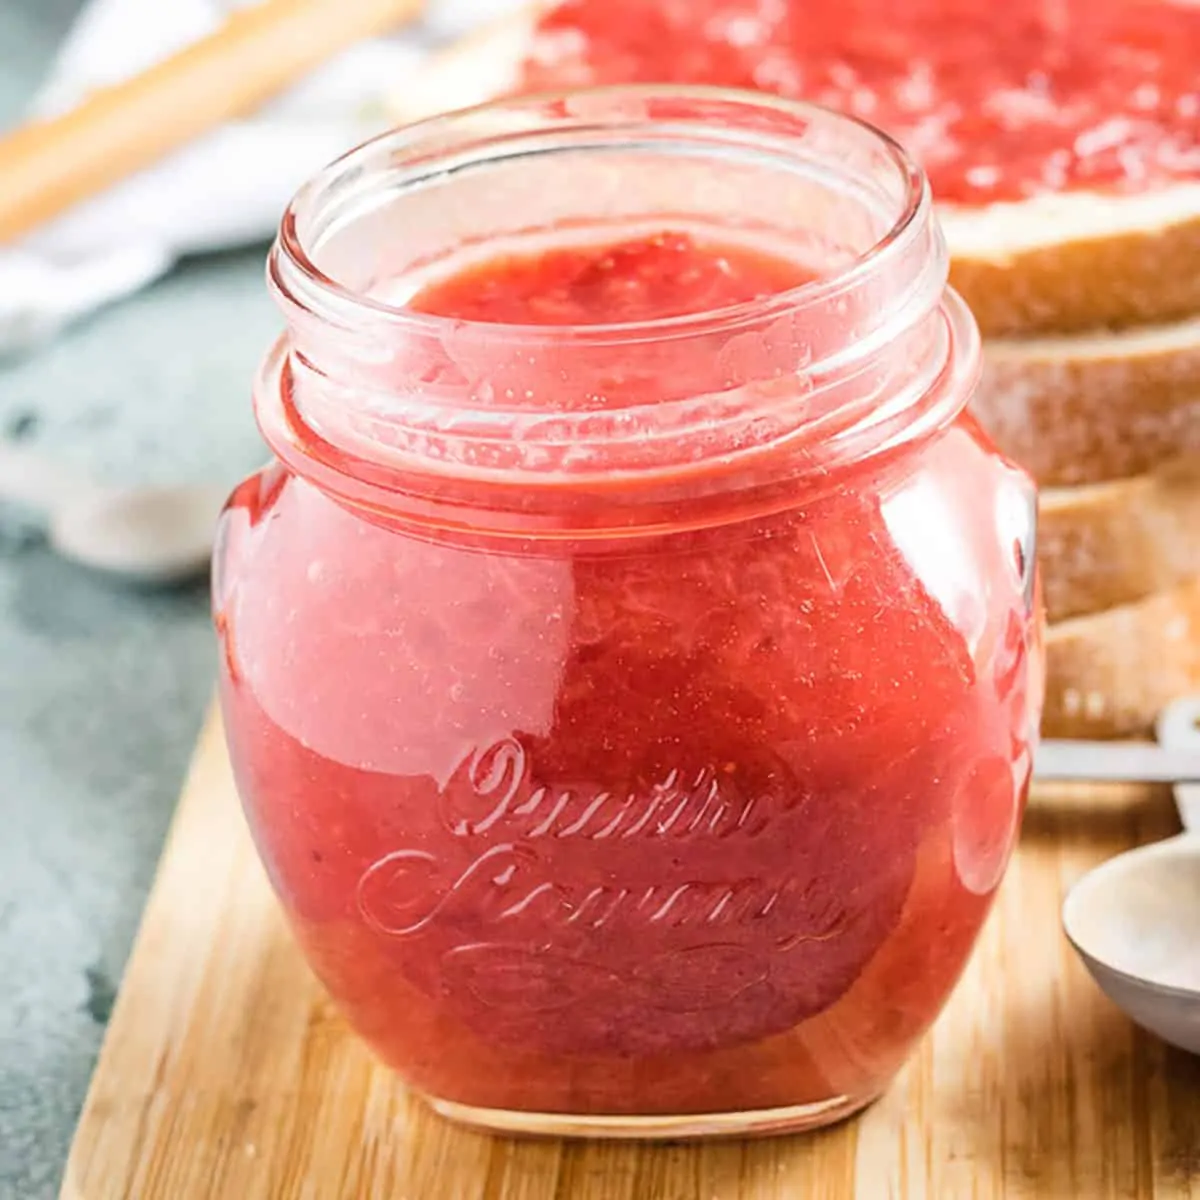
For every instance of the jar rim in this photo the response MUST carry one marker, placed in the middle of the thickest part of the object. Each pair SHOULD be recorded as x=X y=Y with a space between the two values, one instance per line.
x=871 y=354
x=296 y=276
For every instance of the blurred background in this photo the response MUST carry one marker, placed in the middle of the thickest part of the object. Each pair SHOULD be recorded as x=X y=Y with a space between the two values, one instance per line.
x=102 y=685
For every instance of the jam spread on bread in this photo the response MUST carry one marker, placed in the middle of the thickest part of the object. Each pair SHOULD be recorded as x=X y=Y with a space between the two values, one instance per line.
x=997 y=99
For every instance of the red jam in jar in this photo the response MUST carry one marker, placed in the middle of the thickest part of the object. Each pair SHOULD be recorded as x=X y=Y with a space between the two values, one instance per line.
x=643 y=279
x=631 y=663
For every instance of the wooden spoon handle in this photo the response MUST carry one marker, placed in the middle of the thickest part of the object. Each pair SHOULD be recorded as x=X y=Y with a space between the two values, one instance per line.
x=47 y=166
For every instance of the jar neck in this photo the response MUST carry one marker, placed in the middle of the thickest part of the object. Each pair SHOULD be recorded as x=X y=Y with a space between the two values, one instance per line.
x=395 y=408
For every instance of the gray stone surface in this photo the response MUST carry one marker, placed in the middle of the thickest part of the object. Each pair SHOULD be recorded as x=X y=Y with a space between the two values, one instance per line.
x=102 y=688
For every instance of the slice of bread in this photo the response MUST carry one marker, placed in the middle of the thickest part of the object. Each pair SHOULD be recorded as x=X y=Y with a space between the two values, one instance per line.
x=1056 y=263
x=482 y=66
x=1109 y=544
x=1108 y=675
x=1093 y=407
x=1077 y=261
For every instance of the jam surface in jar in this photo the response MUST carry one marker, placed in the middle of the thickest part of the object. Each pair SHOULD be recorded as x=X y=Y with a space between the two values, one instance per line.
x=699 y=820
x=997 y=101
x=668 y=274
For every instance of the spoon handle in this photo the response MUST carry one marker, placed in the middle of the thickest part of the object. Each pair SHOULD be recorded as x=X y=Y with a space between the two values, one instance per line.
x=1112 y=762
x=1174 y=759
x=1179 y=726
x=50 y=164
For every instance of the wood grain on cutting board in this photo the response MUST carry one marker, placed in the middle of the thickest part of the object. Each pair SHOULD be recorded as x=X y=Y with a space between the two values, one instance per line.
x=226 y=1074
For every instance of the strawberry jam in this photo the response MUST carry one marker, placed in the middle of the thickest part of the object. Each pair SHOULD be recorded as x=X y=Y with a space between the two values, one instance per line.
x=615 y=787
x=997 y=101
x=666 y=275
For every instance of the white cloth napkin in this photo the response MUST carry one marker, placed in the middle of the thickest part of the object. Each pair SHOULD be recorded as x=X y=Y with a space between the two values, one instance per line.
x=228 y=188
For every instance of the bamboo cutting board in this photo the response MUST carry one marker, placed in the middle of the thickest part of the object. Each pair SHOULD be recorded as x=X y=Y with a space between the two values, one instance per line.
x=226 y=1074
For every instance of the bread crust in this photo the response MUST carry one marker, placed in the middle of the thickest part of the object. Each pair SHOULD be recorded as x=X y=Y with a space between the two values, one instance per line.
x=1092 y=408
x=1108 y=675
x=1112 y=281
x=1111 y=544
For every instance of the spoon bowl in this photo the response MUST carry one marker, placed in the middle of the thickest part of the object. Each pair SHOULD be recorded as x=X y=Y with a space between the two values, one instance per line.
x=144 y=534
x=149 y=535
x=1135 y=920
x=1135 y=923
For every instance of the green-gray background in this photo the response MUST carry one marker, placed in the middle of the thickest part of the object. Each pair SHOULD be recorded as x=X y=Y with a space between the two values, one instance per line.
x=101 y=688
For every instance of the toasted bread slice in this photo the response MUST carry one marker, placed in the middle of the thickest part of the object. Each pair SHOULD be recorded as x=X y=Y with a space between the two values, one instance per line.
x=1109 y=544
x=1056 y=263
x=1094 y=407
x=1108 y=675
x=1078 y=260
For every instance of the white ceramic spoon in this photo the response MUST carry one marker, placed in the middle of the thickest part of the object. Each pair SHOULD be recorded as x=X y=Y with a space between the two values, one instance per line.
x=1135 y=920
x=146 y=534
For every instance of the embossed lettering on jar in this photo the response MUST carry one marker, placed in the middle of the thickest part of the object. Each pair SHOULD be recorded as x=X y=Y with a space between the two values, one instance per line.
x=631 y=661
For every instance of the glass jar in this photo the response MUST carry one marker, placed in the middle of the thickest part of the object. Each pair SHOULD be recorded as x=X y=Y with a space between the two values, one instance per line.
x=634 y=719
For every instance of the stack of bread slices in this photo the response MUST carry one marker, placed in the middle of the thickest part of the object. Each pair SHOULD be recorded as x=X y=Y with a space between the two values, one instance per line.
x=1092 y=381
x=1090 y=309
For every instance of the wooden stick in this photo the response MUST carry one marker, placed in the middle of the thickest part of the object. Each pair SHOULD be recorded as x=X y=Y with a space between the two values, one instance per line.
x=47 y=166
